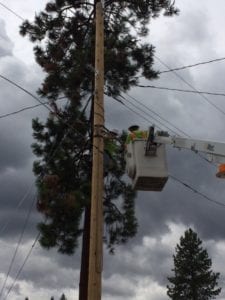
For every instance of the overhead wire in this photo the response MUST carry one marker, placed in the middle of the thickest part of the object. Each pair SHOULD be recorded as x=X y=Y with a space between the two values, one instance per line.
x=26 y=108
x=25 y=224
x=191 y=86
x=193 y=65
x=134 y=111
x=22 y=266
x=157 y=114
x=201 y=95
x=18 y=245
x=18 y=206
x=42 y=103
x=188 y=186
x=150 y=116
x=24 y=90
x=12 y=11
x=181 y=90
x=161 y=72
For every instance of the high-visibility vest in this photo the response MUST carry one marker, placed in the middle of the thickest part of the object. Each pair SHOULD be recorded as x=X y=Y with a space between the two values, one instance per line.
x=137 y=134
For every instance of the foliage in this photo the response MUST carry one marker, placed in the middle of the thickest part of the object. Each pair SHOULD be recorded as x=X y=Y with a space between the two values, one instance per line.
x=193 y=278
x=63 y=297
x=64 y=35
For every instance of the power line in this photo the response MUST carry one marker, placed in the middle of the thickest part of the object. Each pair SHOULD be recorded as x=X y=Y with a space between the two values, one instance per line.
x=17 y=247
x=29 y=253
x=188 y=186
x=26 y=108
x=24 y=90
x=151 y=110
x=193 y=65
x=192 y=87
x=42 y=103
x=202 y=95
x=18 y=206
x=22 y=266
x=181 y=90
x=133 y=111
x=12 y=11
x=143 y=111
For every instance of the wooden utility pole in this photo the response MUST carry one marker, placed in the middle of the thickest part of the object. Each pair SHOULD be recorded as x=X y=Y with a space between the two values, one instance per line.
x=96 y=226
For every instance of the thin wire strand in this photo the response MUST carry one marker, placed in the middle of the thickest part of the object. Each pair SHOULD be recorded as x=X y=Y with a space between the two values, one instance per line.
x=25 y=90
x=18 y=206
x=22 y=266
x=203 y=96
x=42 y=103
x=18 y=245
x=191 y=86
x=143 y=111
x=193 y=65
x=162 y=118
x=26 y=108
x=181 y=90
x=134 y=111
x=12 y=11
x=188 y=186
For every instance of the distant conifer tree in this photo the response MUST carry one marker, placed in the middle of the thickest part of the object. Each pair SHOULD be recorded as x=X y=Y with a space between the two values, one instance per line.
x=193 y=278
x=63 y=297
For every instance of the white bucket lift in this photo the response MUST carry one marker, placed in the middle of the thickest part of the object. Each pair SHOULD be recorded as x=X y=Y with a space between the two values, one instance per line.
x=147 y=169
x=146 y=157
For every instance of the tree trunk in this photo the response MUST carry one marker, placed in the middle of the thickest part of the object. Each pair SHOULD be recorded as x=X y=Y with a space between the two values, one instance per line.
x=83 y=286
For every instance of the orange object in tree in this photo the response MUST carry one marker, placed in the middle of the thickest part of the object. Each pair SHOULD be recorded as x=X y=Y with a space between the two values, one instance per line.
x=221 y=173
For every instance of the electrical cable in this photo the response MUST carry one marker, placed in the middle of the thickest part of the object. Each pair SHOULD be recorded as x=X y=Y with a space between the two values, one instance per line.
x=18 y=206
x=188 y=186
x=181 y=90
x=12 y=11
x=25 y=224
x=193 y=65
x=191 y=86
x=22 y=266
x=25 y=90
x=143 y=111
x=32 y=185
x=151 y=110
x=133 y=111
x=187 y=135
x=202 y=95
x=42 y=103
x=18 y=245
x=26 y=108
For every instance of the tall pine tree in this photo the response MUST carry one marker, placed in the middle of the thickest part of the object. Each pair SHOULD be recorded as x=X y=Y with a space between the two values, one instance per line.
x=193 y=278
x=63 y=297
x=64 y=38
x=64 y=35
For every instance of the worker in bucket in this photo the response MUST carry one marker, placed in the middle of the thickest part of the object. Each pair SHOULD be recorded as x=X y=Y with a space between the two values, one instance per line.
x=136 y=133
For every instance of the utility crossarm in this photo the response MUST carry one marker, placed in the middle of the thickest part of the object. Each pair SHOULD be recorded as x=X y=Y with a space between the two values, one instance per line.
x=215 y=150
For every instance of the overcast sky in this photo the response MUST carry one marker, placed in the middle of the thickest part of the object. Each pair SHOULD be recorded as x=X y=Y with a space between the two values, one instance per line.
x=138 y=270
